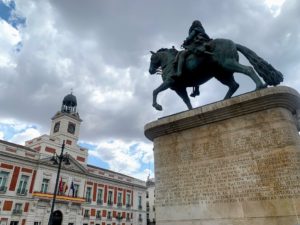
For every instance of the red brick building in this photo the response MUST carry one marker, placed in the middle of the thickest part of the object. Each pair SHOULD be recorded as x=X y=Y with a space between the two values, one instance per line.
x=87 y=194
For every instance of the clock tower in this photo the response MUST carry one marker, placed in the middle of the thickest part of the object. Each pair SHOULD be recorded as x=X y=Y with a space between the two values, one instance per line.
x=66 y=122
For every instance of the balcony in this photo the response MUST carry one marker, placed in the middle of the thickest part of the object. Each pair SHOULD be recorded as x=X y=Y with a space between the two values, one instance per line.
x=88 y=200
x=119 y=204
x=128 y=206
x=99 y=202
x=86 y=216
x=98 y=217
x=22 y=192
x=64 y=198
x=17 y=212
x=109 y=218
x=3 y=189
x=110 y=203
x=119 y=218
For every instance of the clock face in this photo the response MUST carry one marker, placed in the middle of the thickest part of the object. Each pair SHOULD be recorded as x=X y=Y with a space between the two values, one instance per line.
x=56 y=127
x=71 y=128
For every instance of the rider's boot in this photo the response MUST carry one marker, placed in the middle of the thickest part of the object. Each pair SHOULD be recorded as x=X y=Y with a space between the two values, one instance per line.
x=178 y=72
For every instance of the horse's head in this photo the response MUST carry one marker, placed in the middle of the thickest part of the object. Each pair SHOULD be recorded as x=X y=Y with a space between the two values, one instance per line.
x=154 y=62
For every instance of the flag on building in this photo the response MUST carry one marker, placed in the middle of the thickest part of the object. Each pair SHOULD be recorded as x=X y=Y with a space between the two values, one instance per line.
x=60 y=187
x=65 y=187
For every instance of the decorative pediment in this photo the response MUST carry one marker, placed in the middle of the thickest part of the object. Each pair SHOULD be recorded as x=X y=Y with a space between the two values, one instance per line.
x=74 y=166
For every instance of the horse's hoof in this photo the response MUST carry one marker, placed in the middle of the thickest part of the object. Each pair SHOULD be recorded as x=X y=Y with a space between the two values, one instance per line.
x=261 y=86
x=157 y=107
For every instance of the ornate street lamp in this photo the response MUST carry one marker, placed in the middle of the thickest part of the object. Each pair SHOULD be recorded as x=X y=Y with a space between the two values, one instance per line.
x=58 y=159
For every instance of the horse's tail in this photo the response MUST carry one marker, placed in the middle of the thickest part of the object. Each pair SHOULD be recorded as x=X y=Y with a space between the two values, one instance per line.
x=269 y=74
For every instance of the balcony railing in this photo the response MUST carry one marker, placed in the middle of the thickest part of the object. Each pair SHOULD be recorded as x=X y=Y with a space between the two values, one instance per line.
x=109 y=218
x=86 y=216
x=3 y=189
x=58 y=197
x=17 y=212
x=128 y=206
x=127 y=219
x=110 y=203
x=99 y=202
x=22 y=191
x=89 y=200
x=98 y=217
x=119 y=204
x=119 y=218
x=140 y=207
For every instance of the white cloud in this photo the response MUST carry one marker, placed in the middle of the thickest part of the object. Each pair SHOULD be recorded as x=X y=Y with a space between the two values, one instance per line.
x=28 y=134
x=275 y=6
x=124 y=157
x=9 y=37
x=1 y=135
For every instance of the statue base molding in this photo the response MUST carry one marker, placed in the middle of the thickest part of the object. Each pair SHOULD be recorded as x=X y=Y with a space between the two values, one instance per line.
x=233 y=162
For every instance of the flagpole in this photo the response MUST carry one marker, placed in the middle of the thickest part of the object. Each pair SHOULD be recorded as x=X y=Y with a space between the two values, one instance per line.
x=60 y=159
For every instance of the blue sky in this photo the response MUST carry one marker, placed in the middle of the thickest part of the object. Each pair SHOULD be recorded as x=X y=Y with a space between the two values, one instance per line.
x=49 y=47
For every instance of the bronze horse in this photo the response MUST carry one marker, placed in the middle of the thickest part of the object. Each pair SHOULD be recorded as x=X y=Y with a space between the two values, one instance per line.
x=221 y=63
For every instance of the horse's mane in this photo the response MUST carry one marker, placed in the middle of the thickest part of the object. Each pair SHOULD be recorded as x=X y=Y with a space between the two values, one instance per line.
x=173 y=50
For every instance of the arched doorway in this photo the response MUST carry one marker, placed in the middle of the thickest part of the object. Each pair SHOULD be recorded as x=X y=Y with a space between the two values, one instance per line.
x=57 y=218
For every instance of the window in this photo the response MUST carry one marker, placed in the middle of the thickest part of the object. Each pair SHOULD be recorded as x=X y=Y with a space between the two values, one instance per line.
x=140 y=218
x=22 y=189
x=45 y=185
x=88 y=194
x=128 y=200
x=98 y=214
x=119 y=199
x=109 y=200
x=99 y=197
x=147 y=194
x=140 y=202
x=18 y=209
x=108 y=215
x=86 y=213
x=14 y=222
x=127 y=217
x=3 y=181
x=119 y=216
x=37 y=223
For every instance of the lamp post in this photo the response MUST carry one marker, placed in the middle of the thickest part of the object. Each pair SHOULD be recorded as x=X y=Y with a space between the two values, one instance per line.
x=58 y=159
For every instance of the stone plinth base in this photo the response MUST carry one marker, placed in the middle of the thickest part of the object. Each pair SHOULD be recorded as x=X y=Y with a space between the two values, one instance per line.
x=234 y=162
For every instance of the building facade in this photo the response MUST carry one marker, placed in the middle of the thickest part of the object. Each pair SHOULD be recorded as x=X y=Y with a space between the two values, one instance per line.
x=86 y=195
x=150 y=201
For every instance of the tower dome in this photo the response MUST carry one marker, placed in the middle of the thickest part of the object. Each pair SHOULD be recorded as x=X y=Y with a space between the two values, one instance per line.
x=69 y=104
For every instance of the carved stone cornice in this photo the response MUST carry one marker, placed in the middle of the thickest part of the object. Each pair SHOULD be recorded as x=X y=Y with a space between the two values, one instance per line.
x=273 y=97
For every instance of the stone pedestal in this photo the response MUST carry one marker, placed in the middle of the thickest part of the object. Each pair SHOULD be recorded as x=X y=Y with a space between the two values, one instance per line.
x=233 y=162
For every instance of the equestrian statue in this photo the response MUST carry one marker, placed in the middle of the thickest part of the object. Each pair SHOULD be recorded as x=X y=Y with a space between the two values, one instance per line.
x=204 y=58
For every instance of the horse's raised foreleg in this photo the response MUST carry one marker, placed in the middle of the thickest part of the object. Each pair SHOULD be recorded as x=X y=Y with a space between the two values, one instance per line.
x=183 y=94
x=165 y=85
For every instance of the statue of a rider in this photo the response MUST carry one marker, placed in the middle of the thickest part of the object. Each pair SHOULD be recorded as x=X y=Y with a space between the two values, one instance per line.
x=197 y=43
